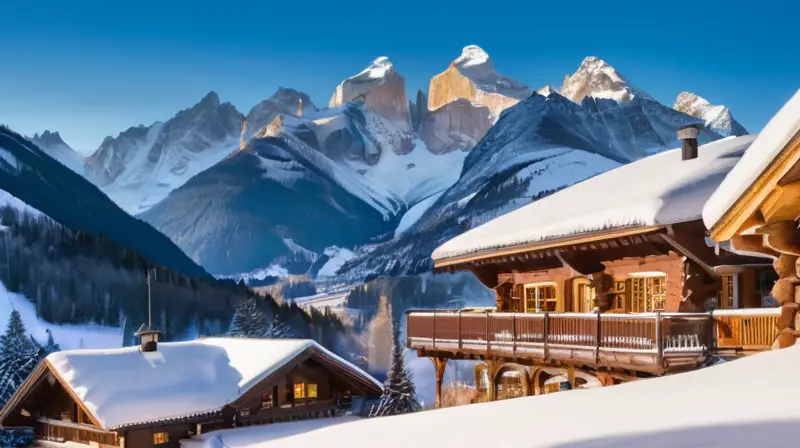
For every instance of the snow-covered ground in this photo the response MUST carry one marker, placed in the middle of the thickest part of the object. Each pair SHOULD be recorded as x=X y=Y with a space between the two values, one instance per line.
x=745 y=403
x=337 y=257
x=414 y=176
x=261 y=435
x=68 y=336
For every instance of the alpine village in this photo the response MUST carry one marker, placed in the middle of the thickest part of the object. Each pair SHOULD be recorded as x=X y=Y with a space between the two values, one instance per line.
x=679 y=261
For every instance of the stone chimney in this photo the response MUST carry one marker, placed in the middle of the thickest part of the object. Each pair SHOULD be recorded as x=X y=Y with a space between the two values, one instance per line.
x=299 y=107
x=687 y=134
x=241 y=137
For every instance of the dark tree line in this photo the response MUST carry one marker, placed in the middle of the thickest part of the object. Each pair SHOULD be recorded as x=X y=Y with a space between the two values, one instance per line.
x=79 y=278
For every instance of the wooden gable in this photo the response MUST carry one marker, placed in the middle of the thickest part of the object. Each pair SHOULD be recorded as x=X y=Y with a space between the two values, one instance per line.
x=310 y=364
x=773 y=197
x=45 y=394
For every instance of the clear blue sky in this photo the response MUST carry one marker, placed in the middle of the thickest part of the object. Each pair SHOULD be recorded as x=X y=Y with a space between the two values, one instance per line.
x=90 y=69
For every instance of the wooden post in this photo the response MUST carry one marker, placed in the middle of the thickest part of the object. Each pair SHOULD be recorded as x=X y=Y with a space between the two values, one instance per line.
x=460 y=338
x=439 y=364
x=571 y=375
x=659 y=337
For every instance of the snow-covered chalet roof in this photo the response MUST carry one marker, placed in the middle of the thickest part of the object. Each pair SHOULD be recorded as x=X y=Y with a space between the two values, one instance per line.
x=780 y=130
x=125 y=386
x=658 y=190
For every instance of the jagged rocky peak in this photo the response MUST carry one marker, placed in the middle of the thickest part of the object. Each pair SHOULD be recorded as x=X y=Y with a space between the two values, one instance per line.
x=718 y=118
x=284 y=101
x=597 y=79
x=172 y=150
x=294 y=100
x=48 y=138
x=57 y=148
x=380 y=87
x=472 y=76
x=546 y=90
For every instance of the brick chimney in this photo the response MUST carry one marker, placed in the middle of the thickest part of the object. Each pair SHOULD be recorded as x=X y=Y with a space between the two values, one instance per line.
x=299 y=107
x=687 y=134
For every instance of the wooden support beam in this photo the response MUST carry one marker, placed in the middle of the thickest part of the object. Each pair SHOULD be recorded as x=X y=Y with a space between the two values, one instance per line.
x=754 y=244
x=782 y=203
x=782 y=236
x=439 y=364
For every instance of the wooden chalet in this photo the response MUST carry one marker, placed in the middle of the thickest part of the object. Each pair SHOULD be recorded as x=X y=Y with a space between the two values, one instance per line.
x=757 y=207
x=614 y=279
x=155 y=394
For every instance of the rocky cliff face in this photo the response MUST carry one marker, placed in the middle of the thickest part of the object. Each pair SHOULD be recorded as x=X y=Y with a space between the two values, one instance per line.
x=597 y=79
x=381 y=88
x=456 y=125
x=472 y=77
x=465 y=101
x=718 y=118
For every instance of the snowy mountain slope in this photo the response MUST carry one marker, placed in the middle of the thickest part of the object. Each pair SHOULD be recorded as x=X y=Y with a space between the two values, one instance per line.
x=55 y=147
x=240 y=215
x=38 y=180
x=718 y=118
x=539 y=146
x=138 y=168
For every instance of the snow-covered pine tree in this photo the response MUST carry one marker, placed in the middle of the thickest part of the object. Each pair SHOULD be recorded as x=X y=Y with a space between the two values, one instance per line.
x=278 y=329
x=248 y=321
x=19 y=355
x=399 y=396
x=51 y=346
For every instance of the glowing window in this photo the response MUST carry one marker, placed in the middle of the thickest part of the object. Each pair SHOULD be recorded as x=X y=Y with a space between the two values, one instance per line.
x=299 y=390
x=160 y=438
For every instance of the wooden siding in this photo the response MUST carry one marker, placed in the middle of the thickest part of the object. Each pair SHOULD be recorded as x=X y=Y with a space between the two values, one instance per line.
x=73 y=432
x=620 y=270
x=144 y=438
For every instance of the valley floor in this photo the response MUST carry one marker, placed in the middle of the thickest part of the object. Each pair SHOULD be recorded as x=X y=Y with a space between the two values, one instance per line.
x=742 y=403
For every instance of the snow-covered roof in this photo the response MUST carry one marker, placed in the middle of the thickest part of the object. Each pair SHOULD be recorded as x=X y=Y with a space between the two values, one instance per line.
x=780 y=130
x=658 y=190
x=739 y=404
x=126 y=386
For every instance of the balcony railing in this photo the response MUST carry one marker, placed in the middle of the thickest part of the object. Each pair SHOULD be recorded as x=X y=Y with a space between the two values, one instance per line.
x=592 y=335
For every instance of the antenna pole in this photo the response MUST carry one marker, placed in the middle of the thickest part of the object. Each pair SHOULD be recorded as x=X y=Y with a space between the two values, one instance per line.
x=149 y=306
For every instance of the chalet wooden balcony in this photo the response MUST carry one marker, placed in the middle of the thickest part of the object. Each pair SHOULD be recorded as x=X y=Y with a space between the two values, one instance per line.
x=647 y=342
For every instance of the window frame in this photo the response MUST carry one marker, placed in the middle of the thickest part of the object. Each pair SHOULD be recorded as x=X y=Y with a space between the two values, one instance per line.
x=160 y=438
x=537 y=299
x=648 y=299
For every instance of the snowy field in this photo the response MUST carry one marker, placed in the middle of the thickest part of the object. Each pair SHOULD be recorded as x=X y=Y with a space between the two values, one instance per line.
x=746 y=403
x=67 y=336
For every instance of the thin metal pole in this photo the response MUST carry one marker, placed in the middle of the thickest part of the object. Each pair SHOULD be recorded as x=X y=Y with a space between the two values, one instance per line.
x=149 y=306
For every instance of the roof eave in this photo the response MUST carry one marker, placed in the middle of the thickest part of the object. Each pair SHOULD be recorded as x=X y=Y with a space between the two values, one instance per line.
x=460 y=261
x=747 y=204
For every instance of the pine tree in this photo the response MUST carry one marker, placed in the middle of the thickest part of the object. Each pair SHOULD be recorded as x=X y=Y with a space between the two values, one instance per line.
x=248 y=321
x=399 y=396
x=19 y=355
x=51 y=346
x=278 y=329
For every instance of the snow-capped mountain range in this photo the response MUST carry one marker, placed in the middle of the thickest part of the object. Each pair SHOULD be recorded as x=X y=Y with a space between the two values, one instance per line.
x=387 y=178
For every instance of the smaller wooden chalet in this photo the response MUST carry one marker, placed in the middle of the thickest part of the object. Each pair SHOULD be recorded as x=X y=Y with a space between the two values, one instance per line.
x=155 y=394
x=757 y=207
x=613 y=278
